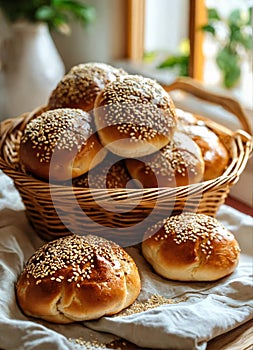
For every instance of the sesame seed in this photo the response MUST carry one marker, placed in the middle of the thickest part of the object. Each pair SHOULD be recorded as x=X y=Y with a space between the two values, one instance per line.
x=104 y=175
x=138 y=106
x=152 y=302
x=190 y=227
x=81 y=85
x=72 y=253
x=88 y=344
x=61 y=129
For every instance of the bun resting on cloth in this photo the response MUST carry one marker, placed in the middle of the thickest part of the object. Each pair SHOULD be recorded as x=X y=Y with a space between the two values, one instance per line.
x=191 y=247
x=179 y=163
x=77 y=278
x=134 y=116
x=60 y=144
x=80 y=86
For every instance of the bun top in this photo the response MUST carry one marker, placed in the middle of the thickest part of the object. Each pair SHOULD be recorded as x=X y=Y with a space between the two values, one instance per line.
x=191 y=227
x=60 y=144
x=70 y=253
x=62 y=129
x=80 y=86
x=136 y=105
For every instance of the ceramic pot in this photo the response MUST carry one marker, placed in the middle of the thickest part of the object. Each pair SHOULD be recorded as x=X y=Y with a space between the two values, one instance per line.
x=31 y=67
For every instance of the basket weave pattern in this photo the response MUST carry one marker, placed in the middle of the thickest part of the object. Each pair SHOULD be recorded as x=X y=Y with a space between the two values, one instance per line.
x=56 y=210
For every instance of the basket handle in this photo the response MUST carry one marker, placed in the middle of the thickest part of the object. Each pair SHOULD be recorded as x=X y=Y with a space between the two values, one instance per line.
x=4 y=127
x=8 y=125
x=195 y=88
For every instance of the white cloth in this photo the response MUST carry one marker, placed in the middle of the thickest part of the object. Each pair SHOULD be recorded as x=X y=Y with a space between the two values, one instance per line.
x=205 y=311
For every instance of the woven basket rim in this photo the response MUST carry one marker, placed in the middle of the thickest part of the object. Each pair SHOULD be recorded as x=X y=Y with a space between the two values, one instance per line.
x=18 y=123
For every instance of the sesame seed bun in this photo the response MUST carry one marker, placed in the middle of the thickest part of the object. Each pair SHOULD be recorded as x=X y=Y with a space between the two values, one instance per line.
x=179 y=163
x=111 y=173
x=77 y=278
x=80 y=86
x=191 y=247
x=134 y=116
x=60 y=144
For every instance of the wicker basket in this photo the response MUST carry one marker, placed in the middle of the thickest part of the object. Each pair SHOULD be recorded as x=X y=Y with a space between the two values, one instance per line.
x=120 y=214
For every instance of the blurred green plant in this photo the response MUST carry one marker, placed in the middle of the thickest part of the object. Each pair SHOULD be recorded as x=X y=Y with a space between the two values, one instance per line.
x=234 y=45
x=150 y=56
x=178 y=61
x=56 y=13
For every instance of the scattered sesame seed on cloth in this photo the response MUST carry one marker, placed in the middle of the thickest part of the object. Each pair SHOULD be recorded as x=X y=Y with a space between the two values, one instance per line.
x=166 y=314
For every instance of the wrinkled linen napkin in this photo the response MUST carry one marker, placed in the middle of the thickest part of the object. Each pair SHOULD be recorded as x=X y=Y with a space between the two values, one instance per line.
x=166 y=315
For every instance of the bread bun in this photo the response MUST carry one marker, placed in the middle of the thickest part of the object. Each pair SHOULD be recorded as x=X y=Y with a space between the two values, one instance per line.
x=134 y=116
x=60 y=144
x=215 y=154
x=77 y=278
x=191 y=247
x=180 y=163
x=80 y=86
x=108 y=174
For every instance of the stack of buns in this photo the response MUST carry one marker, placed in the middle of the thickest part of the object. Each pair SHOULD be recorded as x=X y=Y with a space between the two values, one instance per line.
x=104 y=128
x=98 y=111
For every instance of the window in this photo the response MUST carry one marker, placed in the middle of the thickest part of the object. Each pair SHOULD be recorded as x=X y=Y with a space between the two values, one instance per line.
x=162 y=24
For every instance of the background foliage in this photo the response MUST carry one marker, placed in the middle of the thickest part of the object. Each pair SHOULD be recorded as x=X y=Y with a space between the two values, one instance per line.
x=56 y=13
x=234 y=45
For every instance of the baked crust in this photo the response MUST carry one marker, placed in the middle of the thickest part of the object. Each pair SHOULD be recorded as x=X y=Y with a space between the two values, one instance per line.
x=215 y=154
x=134 y=116
x=80 y=86
x=179 y=163
x=60 y=144
x=191 y=247
x=77 y=278
x=111 y=173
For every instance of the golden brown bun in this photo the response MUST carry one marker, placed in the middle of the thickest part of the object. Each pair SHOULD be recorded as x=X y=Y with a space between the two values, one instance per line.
x=77 y=278
x=191 y=247
x=60 y=144
x=111 y=173
x=180 y=163
x=134 y=116
x=80 y=86
x=215 y=154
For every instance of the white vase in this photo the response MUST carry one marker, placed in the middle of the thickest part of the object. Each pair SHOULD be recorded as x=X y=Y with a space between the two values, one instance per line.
x=31 y=67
